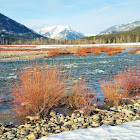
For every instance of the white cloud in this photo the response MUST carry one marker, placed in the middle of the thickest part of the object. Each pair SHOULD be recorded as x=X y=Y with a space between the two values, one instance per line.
x=104 y=9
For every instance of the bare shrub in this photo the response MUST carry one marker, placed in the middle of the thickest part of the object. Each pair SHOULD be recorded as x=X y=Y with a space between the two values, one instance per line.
x=38 y=90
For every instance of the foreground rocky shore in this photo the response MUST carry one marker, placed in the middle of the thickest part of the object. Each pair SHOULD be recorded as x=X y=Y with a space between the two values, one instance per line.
x=57 y=123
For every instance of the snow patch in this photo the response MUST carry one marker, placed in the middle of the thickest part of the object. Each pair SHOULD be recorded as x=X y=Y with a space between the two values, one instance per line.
x=127 y=131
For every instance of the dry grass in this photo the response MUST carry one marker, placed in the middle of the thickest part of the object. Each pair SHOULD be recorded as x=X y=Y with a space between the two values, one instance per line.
x=38 y=90
x=130 y=81
x=134 y=50
x=80 y=97
x=55 y=52
x=113 y=91
x=124 y=85
x=81 y=51
x=41 y=89
x=97 y=50
x=1 y=98
x=111 y=53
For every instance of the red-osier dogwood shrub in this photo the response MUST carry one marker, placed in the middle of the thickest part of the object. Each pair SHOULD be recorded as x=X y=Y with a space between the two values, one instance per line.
x=38 y=90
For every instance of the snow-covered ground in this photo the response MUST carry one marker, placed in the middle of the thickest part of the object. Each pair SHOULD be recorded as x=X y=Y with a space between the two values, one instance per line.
x=88 y=45
x=127 y=131
x=81 y=45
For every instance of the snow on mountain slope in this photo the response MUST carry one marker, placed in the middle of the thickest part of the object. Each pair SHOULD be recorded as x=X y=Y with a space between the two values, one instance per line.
x=59 y=31
x=121 y=28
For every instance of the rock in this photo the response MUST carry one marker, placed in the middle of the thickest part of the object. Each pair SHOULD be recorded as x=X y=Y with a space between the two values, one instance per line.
x=27 y=125
x=113 y=109
x=74 y=127
x=32 y=136
x=52 y=119
x=80 y=119
x=21 y=126
x=3 y=137
x=96 y=117
x=24 y=132
x=57 y=127
x=89 y=127
x=8 y=133
x=83 y=126
x=128 y=112
x=53 y=113
x=23 y=139
x=119 y=108
x=57 y=131
x=75 y=120
x=136 y=106
x=108 y=122
x=73 y=115
x=68 y=123
x=32 y=118
x=44 y=133
x=65 y=129
x=78 y=115
x=118 y=121
x=94 y=124
x=38 y=128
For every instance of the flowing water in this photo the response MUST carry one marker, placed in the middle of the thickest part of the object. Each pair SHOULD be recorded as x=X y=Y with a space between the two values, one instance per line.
x=93 y=67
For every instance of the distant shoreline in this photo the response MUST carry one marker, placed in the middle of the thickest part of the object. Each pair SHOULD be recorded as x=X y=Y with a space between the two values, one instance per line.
x=38 y=53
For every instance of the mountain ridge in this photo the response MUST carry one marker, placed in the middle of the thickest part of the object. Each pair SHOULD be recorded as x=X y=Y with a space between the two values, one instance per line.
x=59 y=32
x=9 y=28
x=120 y=28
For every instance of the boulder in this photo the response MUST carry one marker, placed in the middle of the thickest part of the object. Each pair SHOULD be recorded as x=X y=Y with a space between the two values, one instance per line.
x=32 y=136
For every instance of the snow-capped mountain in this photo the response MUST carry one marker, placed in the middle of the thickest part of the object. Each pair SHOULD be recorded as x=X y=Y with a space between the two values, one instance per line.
x=10 y=28
x=121 y=28
x=59 y=32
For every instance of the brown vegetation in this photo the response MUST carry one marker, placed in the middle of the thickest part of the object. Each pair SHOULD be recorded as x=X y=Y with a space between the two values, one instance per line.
x=130 y=81
x=134 y=50
x=124 y=85
x=80 y=97
x=41 y=89
x=97 y=50
x=38 y=90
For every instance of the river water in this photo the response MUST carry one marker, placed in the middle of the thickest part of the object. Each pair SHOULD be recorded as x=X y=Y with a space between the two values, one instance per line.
x=93 y=67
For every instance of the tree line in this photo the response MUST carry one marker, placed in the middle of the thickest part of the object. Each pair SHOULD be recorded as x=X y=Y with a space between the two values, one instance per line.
x=123 y=37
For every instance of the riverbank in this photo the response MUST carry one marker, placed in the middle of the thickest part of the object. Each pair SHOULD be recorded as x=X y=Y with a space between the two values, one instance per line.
x=22 y=52
x=22 y=55
x=57 y=123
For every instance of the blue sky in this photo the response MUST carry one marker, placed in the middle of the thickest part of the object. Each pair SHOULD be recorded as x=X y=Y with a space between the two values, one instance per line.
x=87 y=16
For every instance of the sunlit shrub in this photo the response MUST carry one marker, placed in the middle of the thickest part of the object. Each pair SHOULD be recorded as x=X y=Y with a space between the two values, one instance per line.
x=124 y=85
x=96 y=51
x=111 y=53
x=113 y=91
x=38 y=90
x=80 y=97
x=81 y=51
x=134 y=50
x=130 y=81
x=1 y=98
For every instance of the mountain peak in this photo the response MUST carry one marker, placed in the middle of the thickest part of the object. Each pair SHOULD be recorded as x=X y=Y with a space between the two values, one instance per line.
x=59 y=32
x=11 y=28
x=121 y=28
